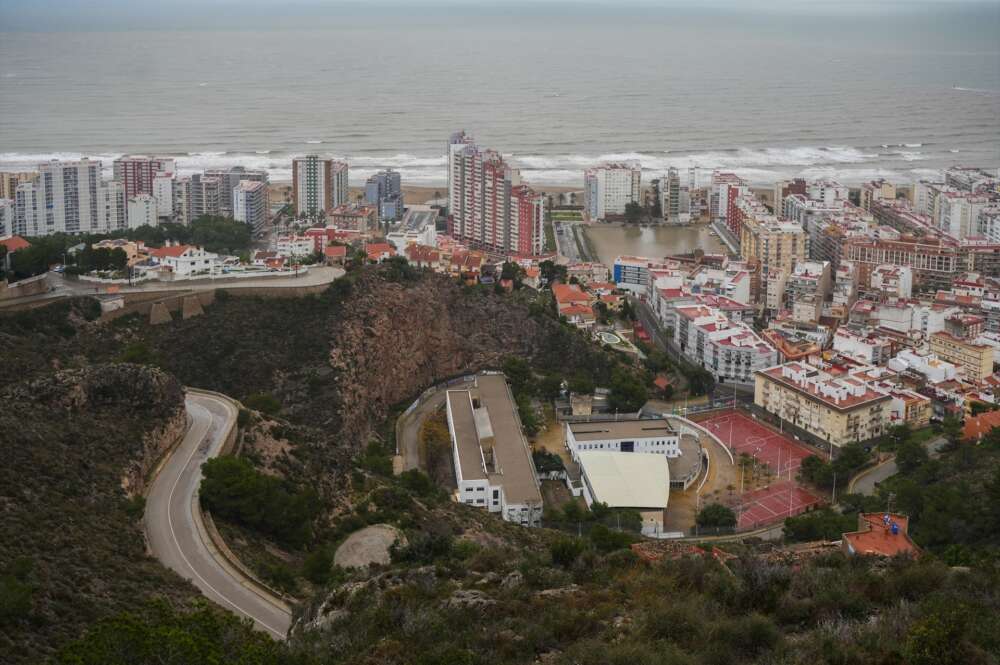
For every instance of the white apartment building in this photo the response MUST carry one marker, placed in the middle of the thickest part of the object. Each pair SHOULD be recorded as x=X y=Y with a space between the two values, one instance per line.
x=957 y=213
x=111 y=207
x=732 y=352
x=6 y=217
x=632 y=272
x=608 y=188
x=65 y=199
x=892 y=280
x=250 y=203
x=725 y=186
x=908 y=317
x=675 y=199
x=989 y=223
x=230 y=179
x=493 y=463
x=623 y=436
x=828 y=192
x=163 y=192
x=142 y=211
x=339 y=193
x=457 y=143
x=869 y=349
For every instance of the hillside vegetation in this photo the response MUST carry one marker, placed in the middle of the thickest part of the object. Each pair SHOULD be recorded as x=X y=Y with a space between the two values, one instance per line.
x=71 y=545
x=322 y=378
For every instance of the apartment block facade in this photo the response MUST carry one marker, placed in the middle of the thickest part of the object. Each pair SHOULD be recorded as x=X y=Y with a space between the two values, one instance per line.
x=608 y=188
x=834 y=410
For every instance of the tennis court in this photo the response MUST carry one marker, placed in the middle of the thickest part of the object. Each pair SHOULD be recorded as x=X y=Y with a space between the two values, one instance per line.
x=774 y=504
x=742 y=434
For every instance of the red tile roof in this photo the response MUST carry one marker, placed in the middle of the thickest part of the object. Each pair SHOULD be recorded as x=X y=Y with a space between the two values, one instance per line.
x=173 y=251
x=580 y=310
x=333 y=251
x=14 y=243
x=977 y=426
x=875 y=535
x=569 y=293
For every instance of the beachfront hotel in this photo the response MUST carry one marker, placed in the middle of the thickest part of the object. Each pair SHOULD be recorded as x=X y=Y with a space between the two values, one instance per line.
x=608 y=188
x=490 y=208
x=318 y=185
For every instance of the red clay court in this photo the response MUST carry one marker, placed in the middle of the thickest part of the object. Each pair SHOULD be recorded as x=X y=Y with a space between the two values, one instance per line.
x=742 y=434
x=774 y=504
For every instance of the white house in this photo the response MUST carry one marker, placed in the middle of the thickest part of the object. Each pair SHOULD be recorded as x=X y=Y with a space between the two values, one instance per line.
x=185 y=260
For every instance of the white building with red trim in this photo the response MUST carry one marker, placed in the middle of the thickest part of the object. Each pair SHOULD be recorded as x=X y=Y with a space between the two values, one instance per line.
x=731 y=351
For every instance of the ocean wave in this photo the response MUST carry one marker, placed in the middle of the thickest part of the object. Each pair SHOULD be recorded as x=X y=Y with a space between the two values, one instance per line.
x=759 y=166
x=400 y=161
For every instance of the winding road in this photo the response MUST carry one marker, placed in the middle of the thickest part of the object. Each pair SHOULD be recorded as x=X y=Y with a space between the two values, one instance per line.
x=174 y=527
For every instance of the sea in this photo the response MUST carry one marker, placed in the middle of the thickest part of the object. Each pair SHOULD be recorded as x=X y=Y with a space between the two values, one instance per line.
x=864 y=90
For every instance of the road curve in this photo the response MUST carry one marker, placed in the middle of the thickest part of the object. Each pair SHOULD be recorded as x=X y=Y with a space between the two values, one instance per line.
x=174 y=528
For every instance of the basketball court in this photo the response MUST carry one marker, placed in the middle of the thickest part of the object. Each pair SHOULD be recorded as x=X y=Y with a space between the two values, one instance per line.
x=774 y=504
x=743 y=434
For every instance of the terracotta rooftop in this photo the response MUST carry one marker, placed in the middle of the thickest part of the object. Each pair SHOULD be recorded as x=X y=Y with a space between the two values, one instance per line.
x=977 y=426
x=173 y=251
x=569 y=293
x=14 y=243
x=876 y=536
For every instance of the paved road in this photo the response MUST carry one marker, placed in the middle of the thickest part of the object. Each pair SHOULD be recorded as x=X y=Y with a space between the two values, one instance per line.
x=175 y=530
x=61 y=287
x=866 y=484
x=409 y=431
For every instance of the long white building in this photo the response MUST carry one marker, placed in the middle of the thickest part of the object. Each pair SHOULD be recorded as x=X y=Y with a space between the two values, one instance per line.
x=608 y=188
x=654 y=435
x=493 y=464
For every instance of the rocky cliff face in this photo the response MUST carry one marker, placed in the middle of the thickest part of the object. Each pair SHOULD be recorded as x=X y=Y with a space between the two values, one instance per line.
x=398 y=339
x=134 y=392
x=69 y=442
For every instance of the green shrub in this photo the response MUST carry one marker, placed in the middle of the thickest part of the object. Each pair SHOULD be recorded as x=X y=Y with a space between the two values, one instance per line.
x=716 y=515
x=318 y=566
x=263 y=402
x=235 y=490
x=565 y=551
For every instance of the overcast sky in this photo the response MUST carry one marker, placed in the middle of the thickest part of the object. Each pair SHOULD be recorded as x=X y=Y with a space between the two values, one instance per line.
x=43 y=15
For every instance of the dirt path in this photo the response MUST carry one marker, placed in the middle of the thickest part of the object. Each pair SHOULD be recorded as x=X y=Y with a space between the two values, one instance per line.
x=367 y=546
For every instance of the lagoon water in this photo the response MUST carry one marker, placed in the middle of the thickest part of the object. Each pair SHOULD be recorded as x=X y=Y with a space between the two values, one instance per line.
x=900 y=90
x=610 y=241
